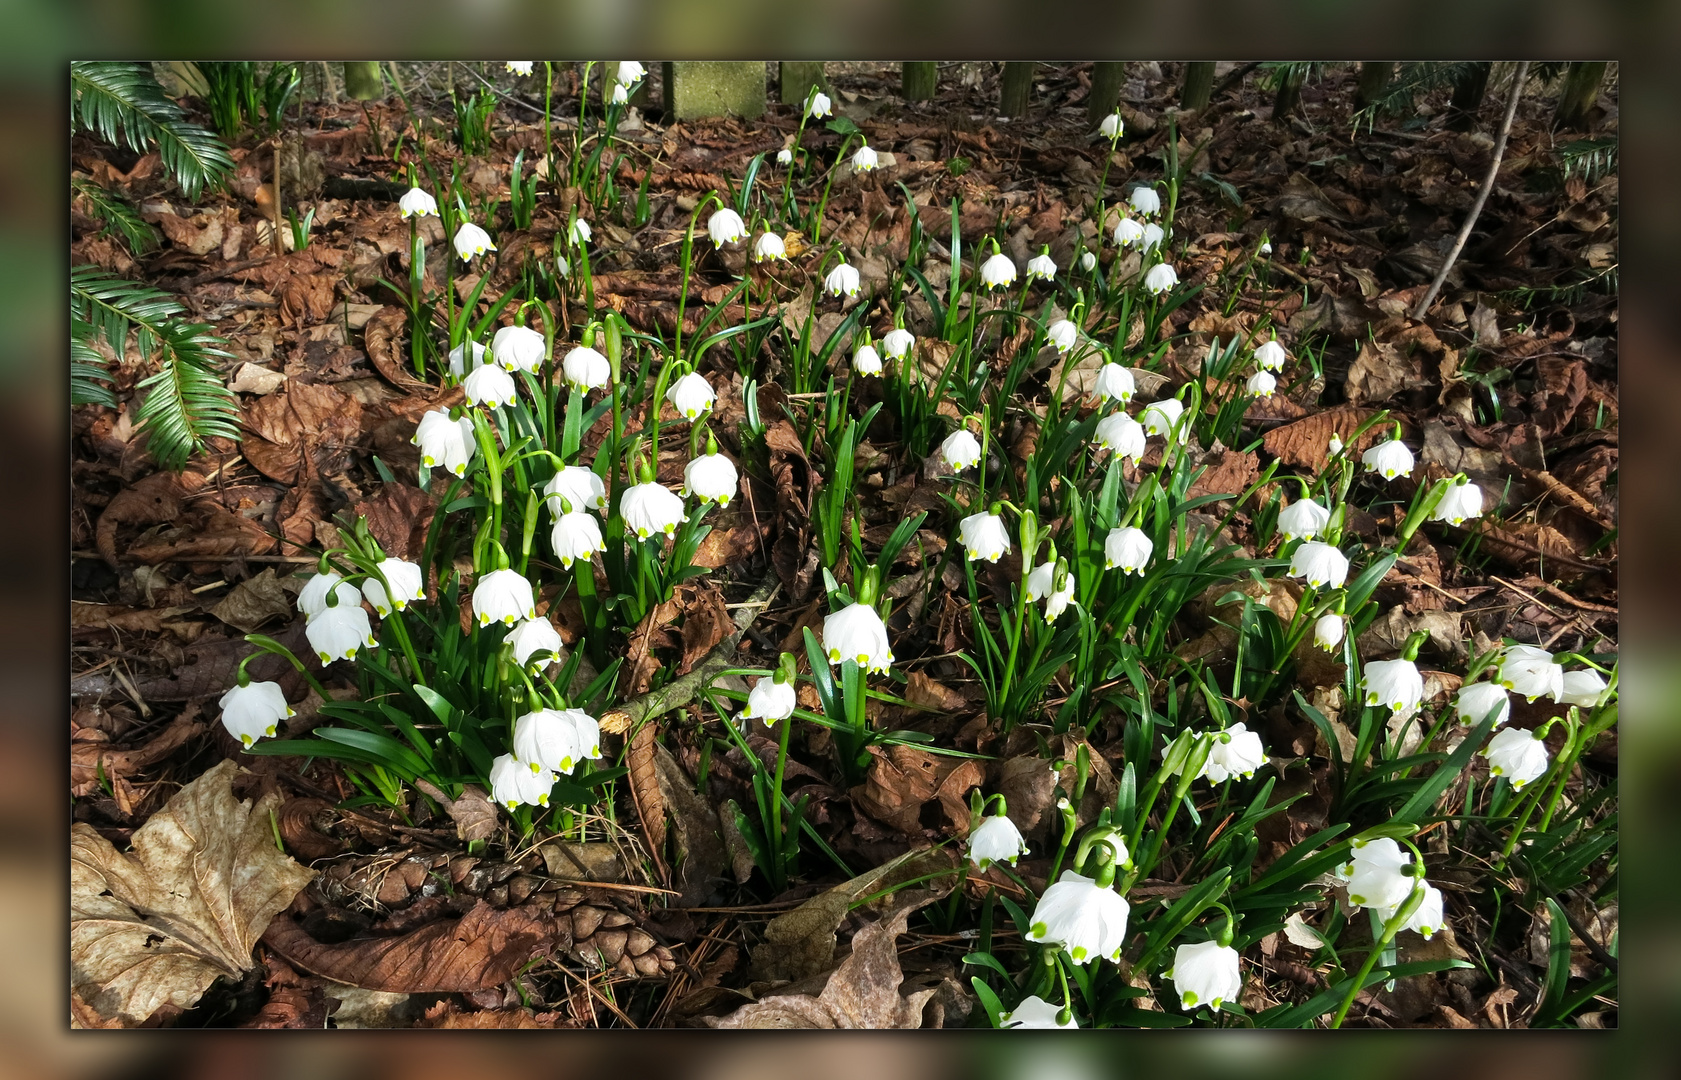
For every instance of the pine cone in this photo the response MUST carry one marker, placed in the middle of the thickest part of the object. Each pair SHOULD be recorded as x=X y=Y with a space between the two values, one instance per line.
x=604 y=938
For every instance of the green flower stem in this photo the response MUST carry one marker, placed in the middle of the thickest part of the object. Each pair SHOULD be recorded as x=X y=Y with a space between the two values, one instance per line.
x=683 y=293
x=269 y=645
x=1390 y=928
x=548 y=102
x=823 y=204
x=777 y=841
x=1029 y=549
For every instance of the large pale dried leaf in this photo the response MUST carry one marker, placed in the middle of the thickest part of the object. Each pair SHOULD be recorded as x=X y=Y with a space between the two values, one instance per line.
x=1389 y=634
x=254 y=602
x=197 y=235
x=158 y=925
x=474 y=814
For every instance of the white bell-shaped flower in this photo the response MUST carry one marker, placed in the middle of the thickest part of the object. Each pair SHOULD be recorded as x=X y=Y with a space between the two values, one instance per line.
x=417 y=203
x=1265 y=248
x=651 y=509
x=996 y=839
x=1328 y=631
x=897 y=342
x=711 y=478
x=574 y=488
x=535 y=636
x=725 y=227
x=458 y=365
x=1152 y=239
x=960 y=450
x=1395 y=683
x=842 y=279
x=1389 y=459
x=1145 y=201
x=585 y=369
x=865 y=159
x=579 y=233
x=1516 y=754
x=984 y=536
x=785 y=156
x=1303 y=520
x=1530 y=671
x=866 y=361
x=1458 y=504
x=1159 y=417
x=817 y=106
x=1062 y=334
x=254 y=712
x=770 y=701
x=503 y=596
x=312 y=598
x=1206 y=973
x=1261 y=384
x=337 y=632
x=998 y=271
x=1121 y=435
x=489 y=386
x=445 y=442
x=1111 y=127
x=1035 y=1013
x=1476 y=700
x=1427 y=918
x=769 y=246
x=1160 y=279
x=619 y=95
x=1042 y=585
x=1115 y=383
x=1127 y=548
x=406 y=581
x=1085 y=918
x=1041 y=266
x=1269 y=356
x=1129 y=232
x=562 y=267
x=1088 y=261
x=519 y=348
x=629 y=72
x=470 y=240
x=1321 y=564
x=520 y=67
x=1333 y=446
x=1237 y=751
x=856 y=632
x=1377 y=874
x=512 y=783
x=576 y=537
x=556 y=740
x=1585 y=688
x=691 y=396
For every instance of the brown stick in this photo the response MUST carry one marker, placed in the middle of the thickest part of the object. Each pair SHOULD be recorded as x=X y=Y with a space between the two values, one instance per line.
x=1482 y=195
x=279 y=245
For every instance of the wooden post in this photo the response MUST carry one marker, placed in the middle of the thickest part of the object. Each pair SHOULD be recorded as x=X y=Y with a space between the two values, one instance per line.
x=1581 y=90
x=1374 y=80
x=362 y=80
x=1468 y=90
x=1199 y=85
x=918 y=78
x=1105 y=91
x=1014 y=88
x=702 y=88
x=795 y=78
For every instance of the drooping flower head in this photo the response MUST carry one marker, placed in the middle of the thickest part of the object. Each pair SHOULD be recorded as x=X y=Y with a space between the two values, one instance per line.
x=574 y=488
x=532 y=638
x=960 y=450
x=470 y=240
x=1321 y=564
x=445 y=442
x=1206 y=973
x=490 y=386
x=503 y=596
x=725 y=227
x=691 y=396
x=585 y=369
x=996 y=839
x=406 y=581
x=650 y=509
x=1115 y=382
x=1087 y=919
x=1128 y=548
x=1518 y=755
x=984 y=536
x=519 y=348
x=254 y=711
x=857 y=633
x=417 y=203
x=842 y=279
x=1160 y=279
x=1145 y=201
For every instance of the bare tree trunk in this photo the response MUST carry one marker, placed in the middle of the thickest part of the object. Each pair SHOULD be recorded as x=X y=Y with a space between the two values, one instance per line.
x=1199 y=84
x=918 y=79
x=1374 y=80
x=1581 y=90
x=362 y=80
x=1016 y=85
x=795 y=78
x=1468 y=92
x=1105 y=91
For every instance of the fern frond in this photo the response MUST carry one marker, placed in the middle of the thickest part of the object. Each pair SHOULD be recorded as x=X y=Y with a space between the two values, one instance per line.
x=1411 y=80
x=120 y=219
x=124 y=104
x=1590 y=159
x=88 y=375
x=110 y=305
x=185 y=403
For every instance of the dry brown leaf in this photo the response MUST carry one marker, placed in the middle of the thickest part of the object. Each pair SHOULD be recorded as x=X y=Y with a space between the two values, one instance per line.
x=197 y=235
x=154 y=499
x=923 y=690
x=901 y=779
x=254 y=602
x=89 y=759
x=705 y=623
x=474 y=814
x=158 y=925
x=446 y=1015
x=645 y=788
x=701 y=858
x=1380 y=372
x=384 y=338
x=398 y=516
x=1306 y=442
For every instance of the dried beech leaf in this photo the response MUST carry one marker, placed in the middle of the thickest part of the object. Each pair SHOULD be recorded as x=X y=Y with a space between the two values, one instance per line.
x=88 y=759
x=254 y=602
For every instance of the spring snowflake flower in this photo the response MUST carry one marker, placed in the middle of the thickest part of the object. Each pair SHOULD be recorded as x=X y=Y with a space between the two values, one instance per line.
x=856 y=632
x=585 y=369
x=458 y=357
x=1160 y=279
x=1377 y=874
x=1041 y=585
x=996 y=839
x=710 y=478
x=1088 y=261
x=769 y=246
x=1128 y=232
x=254 y=712
x=785 y=156
x=651 y=509
x=629 y=71
x=406 y=581
x=1328 y=631
x=1122 y=435
x=1518 y=755
x=1034 y=1013
x=336 y=633
x=1145 y=201
x=960 y=450
x=470 y=240
x=1459 y=503
x=1041 y=266
x=579 y=233
x=503 y=596
x=512 y=783
x=691 y=396
x=984 y=536
x=842 y=279
x=1427 y=918
x=897 y=342
x=1321 y=564
x=1206 y=973
x=1531 y=672
x=817 y=106
x=445 y=442
x=1270 y=356
x=1476 y=700
x=490 y=386
x=1334 y=446
x=575 y=488
x=770 y=701
x=1261 y=384
x=520 y=67
x=1237 y=751
x=1063 y=334
x=865 y=159
x=998 y=271
x=1391 y=459
x=725 y=227
x=518 y=348
x=1087 y=919
x=575 y=537
x=619 y=96
x=1128 y=548
x=1111 y=127
x=556 y=740
x=535 y=636
x=1303 y=520
x=417 y=203
x=312 y=598
x=1153 y=237
x=562 y=267
x=866 y=361
x=1266 y=247
x=1159 y=417
x=1585 y=688
x=1114 y=381
x=1395 y=683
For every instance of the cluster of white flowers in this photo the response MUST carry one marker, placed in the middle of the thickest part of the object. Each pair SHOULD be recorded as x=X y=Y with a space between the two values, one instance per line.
x=547 y=742
x=335 y=623
x=1380 y=875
